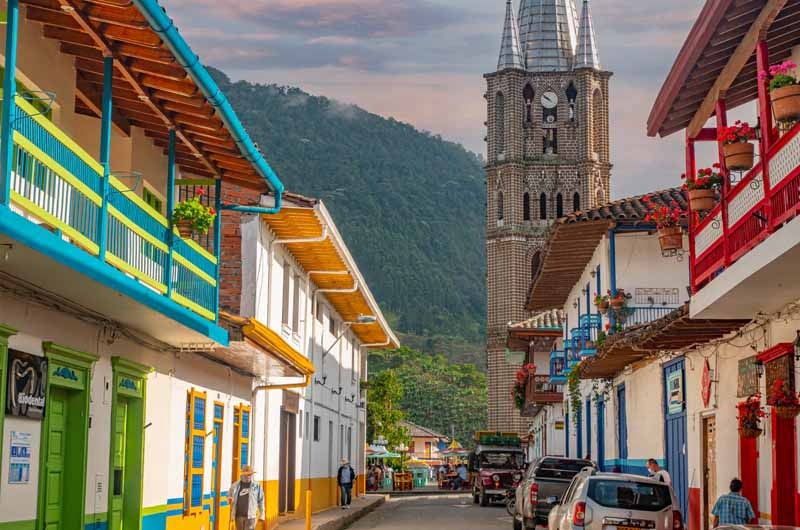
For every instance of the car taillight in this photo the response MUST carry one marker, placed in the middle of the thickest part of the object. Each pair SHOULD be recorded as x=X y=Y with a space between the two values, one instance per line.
x=579 y=515
x=534 y=493
x=677 y=520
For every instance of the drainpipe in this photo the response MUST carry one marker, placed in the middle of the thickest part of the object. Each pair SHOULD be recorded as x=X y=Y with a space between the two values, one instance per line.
x=612 y=270
x=9 y=107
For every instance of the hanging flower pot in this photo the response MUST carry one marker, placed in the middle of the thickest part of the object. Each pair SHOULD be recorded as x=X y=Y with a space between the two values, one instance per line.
x=786 y=103
x=787 y=412
x=617 y=303
x=738 y=156
x=602 y=307
x=747 y=432
x=702 y=199
x=670 y=238
x=192 y=216
x=185 y=228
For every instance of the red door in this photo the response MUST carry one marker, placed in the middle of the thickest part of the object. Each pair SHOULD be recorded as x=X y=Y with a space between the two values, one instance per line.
x=748 y=470
x=784 y=471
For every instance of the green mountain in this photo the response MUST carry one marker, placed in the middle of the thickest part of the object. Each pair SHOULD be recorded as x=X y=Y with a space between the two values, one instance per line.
x=409 y=204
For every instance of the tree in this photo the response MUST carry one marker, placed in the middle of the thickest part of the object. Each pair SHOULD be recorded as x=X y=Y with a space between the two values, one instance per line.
x=383 y=409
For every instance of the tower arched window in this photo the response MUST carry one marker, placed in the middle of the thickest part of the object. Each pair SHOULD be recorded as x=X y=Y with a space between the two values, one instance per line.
x=572 y=98
x=576 y=202
x=536 y=262
x=500 y=122
x=528 y=96
x=559 y=206
x=542 y=206
x=500 y=207
x=526 y=207
x=597 y=121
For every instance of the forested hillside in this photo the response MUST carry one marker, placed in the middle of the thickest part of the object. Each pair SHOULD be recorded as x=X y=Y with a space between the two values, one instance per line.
x=409 y=204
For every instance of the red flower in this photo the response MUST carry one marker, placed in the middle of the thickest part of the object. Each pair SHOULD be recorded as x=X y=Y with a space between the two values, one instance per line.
x=201 y=191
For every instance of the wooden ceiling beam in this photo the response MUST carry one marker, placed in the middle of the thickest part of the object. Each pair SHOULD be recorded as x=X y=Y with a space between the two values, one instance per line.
x=122 y=35
x=87 y=94
x=737 y=61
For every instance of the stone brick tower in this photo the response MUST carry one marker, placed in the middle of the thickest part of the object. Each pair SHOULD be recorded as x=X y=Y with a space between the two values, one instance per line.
x=548 y=155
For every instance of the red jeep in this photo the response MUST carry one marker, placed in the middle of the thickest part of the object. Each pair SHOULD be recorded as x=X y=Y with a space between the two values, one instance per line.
x=495 y=469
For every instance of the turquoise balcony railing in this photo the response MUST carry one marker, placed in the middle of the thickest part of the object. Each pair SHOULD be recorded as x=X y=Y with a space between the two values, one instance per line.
x=557 y=367
x=57 y=183
x=590 y=321
x=634 y=316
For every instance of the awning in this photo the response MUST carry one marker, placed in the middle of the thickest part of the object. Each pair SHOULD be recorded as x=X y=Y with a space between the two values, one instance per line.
x=723 y=29
x=159 y=84
x=671 y=333
x=258 y=351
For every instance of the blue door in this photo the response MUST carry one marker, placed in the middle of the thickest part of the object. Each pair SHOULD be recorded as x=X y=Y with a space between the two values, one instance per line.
x=601 y=429
x=675 y=430
x=622 y=428
x=589 y=427
x=579 y=433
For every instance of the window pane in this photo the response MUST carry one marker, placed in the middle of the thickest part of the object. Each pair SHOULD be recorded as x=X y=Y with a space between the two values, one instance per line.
x=197 y=490
x=630 y=495
x=287 y=272
x=245 y=424
x=296 y=305
x=198 y=447
x=200 y=413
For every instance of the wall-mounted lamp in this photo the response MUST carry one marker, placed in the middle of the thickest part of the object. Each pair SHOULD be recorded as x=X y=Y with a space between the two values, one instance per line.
x=760 y=368
x=585 y=290
x=575 y=304
x=593 y=273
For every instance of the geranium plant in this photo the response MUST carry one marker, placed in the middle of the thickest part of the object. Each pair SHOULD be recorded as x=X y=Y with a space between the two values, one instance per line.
x=520 y=384
x=194 y=213
x=750 y=415
x=706 y=179
x=737 y=133
x=600 y=298
x=780 y=75
x=780 y=395
x=663 y=216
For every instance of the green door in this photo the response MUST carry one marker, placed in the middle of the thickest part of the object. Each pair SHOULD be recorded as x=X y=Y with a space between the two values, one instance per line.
x=118 y=465
x=56 y=459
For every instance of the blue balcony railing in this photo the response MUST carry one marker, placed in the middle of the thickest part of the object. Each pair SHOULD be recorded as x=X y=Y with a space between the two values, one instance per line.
x=557 y=367
x=590 y=321
x=635 y=316
x=57 y=183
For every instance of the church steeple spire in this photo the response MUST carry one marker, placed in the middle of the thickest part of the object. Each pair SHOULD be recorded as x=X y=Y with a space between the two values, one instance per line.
x=586 y=55
x=510 y=54
x=548 y=34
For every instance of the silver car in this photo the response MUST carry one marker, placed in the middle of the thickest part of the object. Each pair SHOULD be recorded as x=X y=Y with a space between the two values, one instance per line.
x=615 y=501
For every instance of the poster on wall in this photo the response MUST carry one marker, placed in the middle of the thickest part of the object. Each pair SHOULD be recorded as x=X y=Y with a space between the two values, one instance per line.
x=675 y=392
x=748 y=377
x=27 y=381
x=19 y=461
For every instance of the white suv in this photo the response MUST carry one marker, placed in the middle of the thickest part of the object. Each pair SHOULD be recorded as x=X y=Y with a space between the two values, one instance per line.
x=614 y=501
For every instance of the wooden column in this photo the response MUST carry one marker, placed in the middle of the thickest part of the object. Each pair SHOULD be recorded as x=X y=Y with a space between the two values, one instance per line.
x=765 y=117
x=722 y=121
x=690 y=170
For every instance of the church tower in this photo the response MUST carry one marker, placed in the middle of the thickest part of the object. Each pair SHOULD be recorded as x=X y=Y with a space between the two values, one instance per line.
x=547 y=156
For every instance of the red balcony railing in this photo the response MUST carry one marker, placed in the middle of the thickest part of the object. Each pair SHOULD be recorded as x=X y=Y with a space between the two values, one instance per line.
x=763 y=201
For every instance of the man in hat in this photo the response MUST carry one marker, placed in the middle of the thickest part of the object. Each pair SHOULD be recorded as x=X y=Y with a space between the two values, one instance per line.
x=246 y=499
x=345 y=478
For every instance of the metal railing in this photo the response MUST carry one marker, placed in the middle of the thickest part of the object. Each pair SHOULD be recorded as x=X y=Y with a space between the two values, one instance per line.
x=58 y=184
x=634 y=316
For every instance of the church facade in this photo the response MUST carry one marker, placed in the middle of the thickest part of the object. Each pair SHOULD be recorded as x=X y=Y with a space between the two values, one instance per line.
x=547 y=155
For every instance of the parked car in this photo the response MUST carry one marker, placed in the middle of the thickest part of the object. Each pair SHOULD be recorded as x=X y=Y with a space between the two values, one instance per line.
x=547 y=476
x=604 y=501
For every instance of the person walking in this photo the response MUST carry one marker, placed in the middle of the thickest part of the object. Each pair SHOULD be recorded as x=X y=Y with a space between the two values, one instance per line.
x=733 y=508
x=246 y=499
x=656 y=473
x=345 y=478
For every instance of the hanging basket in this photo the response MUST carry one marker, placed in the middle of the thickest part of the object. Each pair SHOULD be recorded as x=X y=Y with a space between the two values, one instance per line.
x=670 y=238
x=185 y=228
x=786 y=103
x=702 y=200
x=738 y=156
x=788 y=412
x=746 y=432
x=602 y=307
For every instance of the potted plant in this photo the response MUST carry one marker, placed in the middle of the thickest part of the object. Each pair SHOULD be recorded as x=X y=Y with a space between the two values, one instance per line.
x=702 y=188
x=750 y=414
x=192 y=216
x=520 y=384
x=619 y=300
x=783 y=400
x=784 y=91
x=736 y=145
x=601 y=301
x=668 y=223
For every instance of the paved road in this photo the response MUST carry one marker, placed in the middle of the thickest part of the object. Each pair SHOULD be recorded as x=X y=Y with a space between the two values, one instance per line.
x=435 y=513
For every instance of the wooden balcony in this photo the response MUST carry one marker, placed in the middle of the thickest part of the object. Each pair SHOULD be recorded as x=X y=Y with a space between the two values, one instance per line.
x=540 y=391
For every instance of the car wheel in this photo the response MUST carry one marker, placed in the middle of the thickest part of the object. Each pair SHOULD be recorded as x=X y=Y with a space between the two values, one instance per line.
x=517 y=523
x=484 y=499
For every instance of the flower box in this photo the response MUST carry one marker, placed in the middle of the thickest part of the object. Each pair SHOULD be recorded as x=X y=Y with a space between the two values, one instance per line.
x=738 y=156
x=745 y=432
x=786 y=103
x=670 y=238
x=702 y=199
x=787 y=412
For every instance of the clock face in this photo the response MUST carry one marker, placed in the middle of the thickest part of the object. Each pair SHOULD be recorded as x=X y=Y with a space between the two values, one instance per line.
x=549 y=100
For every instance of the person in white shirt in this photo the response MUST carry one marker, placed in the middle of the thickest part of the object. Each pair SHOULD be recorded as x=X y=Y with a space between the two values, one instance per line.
x=656 y=473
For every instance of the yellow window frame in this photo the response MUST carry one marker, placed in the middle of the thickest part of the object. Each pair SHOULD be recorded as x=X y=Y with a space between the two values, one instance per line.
x=239 y=438
x=192 y=432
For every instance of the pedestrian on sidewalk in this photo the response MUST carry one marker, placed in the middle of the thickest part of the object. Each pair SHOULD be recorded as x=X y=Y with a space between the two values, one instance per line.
x=733 y=508
x=656 y=473
x=345 y=478
x=246 y=499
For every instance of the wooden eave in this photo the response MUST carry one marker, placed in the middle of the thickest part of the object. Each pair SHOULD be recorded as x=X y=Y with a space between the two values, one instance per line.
x=295 y=222
x=720 y=30
x=150 y=89
x=673 y=332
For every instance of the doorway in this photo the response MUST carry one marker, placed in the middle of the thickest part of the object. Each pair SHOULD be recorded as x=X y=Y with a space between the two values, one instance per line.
x=748 y=467
x=601 y=436
x=288 y=462
x=65 y=430
x=216 y=464
x=675 y=430
x=622 y=428
x=241 y=440
x=709 y=467
x=784 y=471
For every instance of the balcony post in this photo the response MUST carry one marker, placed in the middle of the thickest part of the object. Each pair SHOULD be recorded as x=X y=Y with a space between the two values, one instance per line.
x=217 y=239
x=690 y=170
x=722 y=121
x=105 y=156
x=765 y=117
x=612 y=272
x=8 y=108
x=170 y=211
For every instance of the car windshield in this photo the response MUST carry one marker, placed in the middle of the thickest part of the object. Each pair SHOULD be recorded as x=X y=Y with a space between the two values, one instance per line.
x=500 y=460
x=563 y=469
x=630 y=495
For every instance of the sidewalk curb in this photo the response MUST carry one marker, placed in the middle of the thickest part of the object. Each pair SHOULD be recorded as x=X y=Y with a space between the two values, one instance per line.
x=351 y=517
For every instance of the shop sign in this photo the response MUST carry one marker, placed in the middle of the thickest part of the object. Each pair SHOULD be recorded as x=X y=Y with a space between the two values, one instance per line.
x=748 y=377
x=27 y=382
x=559 y=425
x=19 y=460
x=675 y=392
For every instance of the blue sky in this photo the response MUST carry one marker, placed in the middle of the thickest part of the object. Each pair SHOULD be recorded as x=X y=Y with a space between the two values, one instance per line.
x=421 y=61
